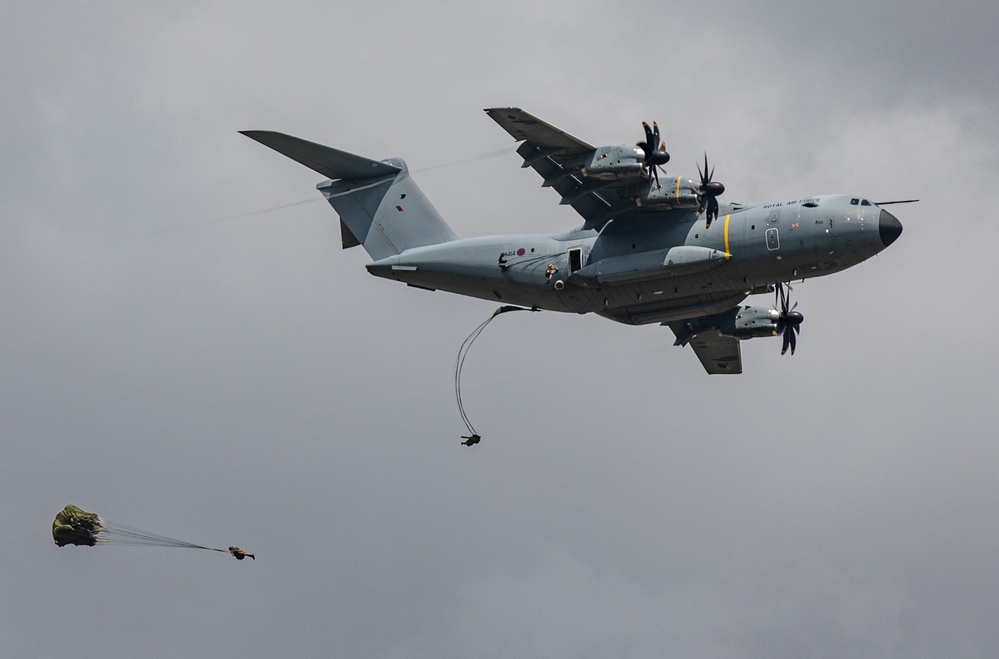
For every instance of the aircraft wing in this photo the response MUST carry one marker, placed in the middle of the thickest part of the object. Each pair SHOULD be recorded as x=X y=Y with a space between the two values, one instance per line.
x=556 y=156
x=719 y=354
x=524 y=126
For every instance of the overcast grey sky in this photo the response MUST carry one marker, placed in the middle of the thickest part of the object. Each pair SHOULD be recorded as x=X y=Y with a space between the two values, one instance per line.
x=178 y=361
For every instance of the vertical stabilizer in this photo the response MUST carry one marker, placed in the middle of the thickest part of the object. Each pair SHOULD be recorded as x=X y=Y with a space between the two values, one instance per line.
x=380 y=206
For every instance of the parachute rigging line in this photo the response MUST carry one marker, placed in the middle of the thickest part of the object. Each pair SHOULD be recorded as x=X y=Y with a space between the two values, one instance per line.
x=114 y=533
x=473 y=437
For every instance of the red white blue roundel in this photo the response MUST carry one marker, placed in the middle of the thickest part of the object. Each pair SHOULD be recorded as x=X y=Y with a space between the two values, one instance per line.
x=521 y=251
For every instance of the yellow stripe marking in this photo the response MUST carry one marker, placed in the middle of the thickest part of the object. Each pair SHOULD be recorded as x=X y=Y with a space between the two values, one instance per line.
x=728 y=254
x=678 y=180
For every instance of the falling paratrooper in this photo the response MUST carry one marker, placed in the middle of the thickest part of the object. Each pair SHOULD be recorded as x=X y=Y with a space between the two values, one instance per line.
x=75 y=526
x=240 y=554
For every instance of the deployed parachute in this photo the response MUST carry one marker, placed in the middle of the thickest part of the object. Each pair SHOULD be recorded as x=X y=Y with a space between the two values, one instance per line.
x=75 y=526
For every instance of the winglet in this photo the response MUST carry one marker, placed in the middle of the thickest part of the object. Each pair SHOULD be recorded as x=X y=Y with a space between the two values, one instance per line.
x=329 y=162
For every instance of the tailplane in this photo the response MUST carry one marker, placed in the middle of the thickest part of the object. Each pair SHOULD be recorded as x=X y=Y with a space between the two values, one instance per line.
x=380 y=206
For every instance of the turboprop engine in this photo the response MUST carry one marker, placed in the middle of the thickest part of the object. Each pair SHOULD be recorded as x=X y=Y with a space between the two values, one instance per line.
x=612 y=163
x=750 y=322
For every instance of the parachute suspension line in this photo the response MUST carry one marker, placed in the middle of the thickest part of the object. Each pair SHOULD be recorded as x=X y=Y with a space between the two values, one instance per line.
x=113 y=533
x=473 y=437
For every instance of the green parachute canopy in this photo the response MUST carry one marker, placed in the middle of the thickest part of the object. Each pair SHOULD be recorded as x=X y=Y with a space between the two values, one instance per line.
x=75 y=526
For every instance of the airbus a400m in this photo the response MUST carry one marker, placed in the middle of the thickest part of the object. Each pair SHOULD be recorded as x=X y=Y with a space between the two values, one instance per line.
x=652 y=248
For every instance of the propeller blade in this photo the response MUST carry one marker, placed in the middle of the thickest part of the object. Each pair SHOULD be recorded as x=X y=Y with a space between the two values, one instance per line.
x=654 y=148
x=709 y=191
x=789 y=320
x=648 y=139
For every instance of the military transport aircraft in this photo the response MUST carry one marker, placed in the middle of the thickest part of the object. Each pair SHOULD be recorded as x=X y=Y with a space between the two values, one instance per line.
x=651 y=249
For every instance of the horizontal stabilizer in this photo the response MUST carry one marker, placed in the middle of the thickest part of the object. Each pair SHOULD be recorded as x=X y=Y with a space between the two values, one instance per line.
x=329 y=162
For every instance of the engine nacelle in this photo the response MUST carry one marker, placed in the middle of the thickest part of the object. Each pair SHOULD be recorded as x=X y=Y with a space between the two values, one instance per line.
x=750 y=322
x=674 y=192
x=611 y=163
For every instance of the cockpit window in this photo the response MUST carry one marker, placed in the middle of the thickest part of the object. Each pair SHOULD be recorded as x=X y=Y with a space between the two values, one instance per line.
x=854 y=201
x=865 y=203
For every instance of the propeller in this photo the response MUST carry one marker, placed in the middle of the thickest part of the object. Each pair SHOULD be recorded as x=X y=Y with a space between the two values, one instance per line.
x=709 y=191
x=655 y=150
x=789 y=321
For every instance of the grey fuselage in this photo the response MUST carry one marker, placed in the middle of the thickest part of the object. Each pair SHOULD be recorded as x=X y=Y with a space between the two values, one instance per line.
x=641 y=273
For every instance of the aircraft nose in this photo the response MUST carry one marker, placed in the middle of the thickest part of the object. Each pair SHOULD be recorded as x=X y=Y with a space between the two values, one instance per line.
x=889 y=227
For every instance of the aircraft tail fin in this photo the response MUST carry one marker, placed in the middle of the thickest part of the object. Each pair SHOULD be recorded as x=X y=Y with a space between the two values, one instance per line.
x=380 y=206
